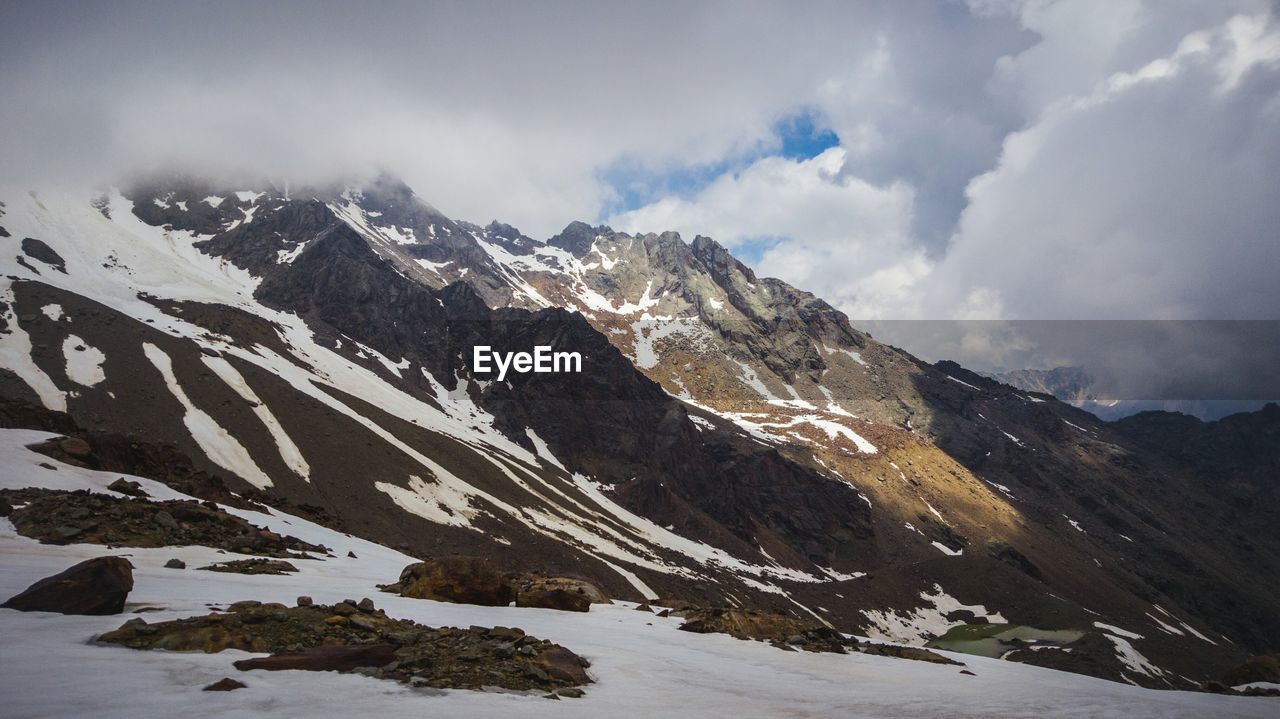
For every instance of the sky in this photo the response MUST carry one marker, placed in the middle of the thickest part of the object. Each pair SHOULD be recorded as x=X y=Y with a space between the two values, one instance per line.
x=988 y=159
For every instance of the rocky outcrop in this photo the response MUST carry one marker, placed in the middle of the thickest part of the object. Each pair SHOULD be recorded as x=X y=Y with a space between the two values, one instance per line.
x=525 y=583
x=559 y=599
x=252 y=566
x=357 y=637
x=463 y=580
x=94 y=586
x=59 y=517
x=791 y=633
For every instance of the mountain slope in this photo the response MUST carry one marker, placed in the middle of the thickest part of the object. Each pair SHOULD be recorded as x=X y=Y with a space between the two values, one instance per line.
x=642 y=665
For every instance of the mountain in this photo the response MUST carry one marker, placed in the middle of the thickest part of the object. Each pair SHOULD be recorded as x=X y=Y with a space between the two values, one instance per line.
x=1077 y=386
x=730 y=440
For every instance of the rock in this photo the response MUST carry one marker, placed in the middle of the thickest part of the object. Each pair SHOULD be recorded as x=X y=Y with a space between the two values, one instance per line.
x=741 y=622
x=644 y=608
x=58 y=516
x=351 y=555
x=67 y=532
x=5 y=508
x=75 y=447
x=506 y=633
x=538 y=582
x=252 y=566
x=560 y=599
x=210 y=351
x=123 y=486
x=463 y=580
x=571 y=692
x=325 y=658
x=226 y=684
x=439 y=657
x=664 y=613
x=365 y=605
x=175 y=563
x=967 y=672
x=305 y=601
x=46 y=465
x=95 y=586
x=560 y=664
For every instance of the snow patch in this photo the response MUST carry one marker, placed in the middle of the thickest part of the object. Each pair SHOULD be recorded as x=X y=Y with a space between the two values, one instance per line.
x=84 y=361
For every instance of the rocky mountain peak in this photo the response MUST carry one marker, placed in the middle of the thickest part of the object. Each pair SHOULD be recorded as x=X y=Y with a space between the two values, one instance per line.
x=577 y=237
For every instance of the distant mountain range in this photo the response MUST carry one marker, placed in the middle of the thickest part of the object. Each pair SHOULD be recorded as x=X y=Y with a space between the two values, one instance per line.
x=1076 y=386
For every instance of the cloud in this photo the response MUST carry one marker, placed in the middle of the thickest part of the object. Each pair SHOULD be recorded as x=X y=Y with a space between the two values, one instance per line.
x=1154 y=195
x=997 y=158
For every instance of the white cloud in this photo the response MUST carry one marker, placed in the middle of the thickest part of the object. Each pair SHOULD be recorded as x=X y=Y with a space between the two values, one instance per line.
x=1155 y=195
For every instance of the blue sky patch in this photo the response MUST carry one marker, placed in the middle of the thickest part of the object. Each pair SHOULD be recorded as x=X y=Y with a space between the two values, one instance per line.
x=799 y=136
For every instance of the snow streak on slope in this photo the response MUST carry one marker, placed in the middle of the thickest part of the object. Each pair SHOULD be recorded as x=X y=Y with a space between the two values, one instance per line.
x=289 y=451
x=217 y=443
x=15 y=355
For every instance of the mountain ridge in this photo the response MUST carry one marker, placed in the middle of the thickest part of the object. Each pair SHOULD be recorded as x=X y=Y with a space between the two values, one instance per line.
x=831 y=474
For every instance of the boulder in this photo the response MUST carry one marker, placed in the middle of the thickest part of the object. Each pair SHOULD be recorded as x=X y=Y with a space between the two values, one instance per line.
x=75 y=447
x=94 y=586
x=175 y=563
x=747 y=623
x=252 y=566
x=537 y=582
x=463 y=580
x=124 y=486
x=562 y=665
x=325 y=658
x=560 y=599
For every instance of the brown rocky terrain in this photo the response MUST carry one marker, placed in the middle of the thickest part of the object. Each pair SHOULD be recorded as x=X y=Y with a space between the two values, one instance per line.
x=357 y=637
x=58 y=517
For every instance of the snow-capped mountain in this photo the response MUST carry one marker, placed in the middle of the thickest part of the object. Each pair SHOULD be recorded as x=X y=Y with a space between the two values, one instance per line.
x=730 y=440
